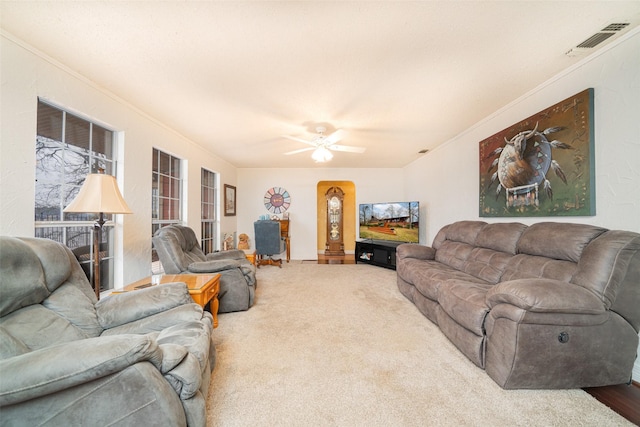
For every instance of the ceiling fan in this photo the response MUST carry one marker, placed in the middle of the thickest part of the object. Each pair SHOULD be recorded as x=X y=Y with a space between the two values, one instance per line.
x=323 y=145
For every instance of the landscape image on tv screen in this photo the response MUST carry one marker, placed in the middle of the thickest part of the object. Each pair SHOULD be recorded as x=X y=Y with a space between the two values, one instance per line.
x=398 y=221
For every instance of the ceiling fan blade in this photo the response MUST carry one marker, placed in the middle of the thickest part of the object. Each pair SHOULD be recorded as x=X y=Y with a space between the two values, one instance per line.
x=293 y=138
x=334 y=137
x=347 y=148
x=302 y=150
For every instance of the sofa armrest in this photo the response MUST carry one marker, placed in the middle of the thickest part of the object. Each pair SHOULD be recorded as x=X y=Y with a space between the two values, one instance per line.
x=66 y=365
x=118 y=309
x=409 y=250
x=231 y=254
x=545 y=296
x=213 y=266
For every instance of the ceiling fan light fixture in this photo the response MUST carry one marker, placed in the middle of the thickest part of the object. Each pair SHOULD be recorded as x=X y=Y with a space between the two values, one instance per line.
x=321 y=155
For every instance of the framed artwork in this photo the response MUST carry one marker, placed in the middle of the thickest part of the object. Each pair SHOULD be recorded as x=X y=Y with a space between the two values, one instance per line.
x=229 y=200
x=543 y=165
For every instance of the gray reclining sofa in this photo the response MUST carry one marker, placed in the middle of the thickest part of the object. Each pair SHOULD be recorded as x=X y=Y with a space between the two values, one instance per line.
x=551 y=305
x=138 y=358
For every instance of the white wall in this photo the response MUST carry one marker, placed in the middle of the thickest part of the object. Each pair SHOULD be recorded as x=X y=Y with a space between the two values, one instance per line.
x=372 y=185
x=27 y=75
x=447 y=179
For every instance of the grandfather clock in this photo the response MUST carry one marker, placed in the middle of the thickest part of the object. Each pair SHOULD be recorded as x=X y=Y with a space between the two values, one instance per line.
x=334 y=245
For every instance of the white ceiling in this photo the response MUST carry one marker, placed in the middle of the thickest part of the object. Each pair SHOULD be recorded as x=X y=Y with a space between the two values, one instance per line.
x=234 y=77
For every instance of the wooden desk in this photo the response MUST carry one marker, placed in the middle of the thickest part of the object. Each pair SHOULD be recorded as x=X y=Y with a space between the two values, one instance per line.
x=203 y=288
x=284 y=232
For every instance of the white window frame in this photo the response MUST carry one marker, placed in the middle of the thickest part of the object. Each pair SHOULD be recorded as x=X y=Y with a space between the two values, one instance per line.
x=209 y=211
x=172 y=200
x=63 y=225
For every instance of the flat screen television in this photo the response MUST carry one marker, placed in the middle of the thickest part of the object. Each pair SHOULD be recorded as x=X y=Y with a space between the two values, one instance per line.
x=392 y=221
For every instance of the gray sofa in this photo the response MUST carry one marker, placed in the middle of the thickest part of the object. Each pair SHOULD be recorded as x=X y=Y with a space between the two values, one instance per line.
x=551 y=305
x=66 y=359
x=179 y=252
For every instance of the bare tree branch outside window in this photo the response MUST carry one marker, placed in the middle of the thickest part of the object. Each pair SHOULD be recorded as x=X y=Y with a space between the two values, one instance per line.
x=67 y=149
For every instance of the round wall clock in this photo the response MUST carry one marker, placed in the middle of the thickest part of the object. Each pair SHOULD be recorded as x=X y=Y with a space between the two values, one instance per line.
x=277 y=200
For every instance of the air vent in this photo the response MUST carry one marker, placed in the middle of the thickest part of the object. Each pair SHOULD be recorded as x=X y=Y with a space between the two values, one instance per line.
x=599 y=37
x=616 y=27
x=594 y=40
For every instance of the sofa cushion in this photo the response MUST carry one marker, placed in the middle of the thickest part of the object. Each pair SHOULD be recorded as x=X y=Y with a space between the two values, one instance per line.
x=55 y=259
x=72 y=304
x=38 y=327
x=486 y=264
x=465 y=231
x=529 y=267
x=556 y=240
x=10 y=346
x=21 y=276
x=454 y=254
x=465 y=303
x=428 y=276
x=501 y=237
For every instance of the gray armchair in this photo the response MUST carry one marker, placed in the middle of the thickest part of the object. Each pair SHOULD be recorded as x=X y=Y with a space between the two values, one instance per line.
x=137 y=358
x=180 y=253
x=269 y=242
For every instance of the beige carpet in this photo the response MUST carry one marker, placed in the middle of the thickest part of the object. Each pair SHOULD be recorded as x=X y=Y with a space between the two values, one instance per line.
x=338 y=345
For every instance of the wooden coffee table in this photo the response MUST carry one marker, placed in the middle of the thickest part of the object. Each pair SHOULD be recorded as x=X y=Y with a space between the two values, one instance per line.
x=203 y=288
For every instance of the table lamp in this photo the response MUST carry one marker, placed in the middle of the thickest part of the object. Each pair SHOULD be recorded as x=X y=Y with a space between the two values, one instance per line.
x=99 y=194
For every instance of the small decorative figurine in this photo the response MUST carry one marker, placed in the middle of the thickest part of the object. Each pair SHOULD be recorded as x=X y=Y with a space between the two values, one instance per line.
x=243 y=241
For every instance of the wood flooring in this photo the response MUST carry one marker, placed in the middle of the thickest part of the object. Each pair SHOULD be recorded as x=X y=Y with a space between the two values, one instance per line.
x=622 y=398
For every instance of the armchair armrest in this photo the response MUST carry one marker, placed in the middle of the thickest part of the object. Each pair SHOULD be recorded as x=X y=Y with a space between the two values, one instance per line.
x=415 y=251
x=545 y=296
x=127 y=307
x=213 y=266
x=65 y=365
x=231 y=254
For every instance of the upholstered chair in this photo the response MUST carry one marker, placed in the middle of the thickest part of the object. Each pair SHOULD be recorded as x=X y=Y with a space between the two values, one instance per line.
x=269 y=242
x=179 y=252
x=66 y=359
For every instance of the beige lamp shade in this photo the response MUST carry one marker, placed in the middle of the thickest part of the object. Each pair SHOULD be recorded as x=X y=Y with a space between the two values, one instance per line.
x=99 y=193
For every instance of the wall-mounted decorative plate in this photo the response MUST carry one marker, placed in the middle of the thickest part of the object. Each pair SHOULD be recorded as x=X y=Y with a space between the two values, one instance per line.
x=277 y=200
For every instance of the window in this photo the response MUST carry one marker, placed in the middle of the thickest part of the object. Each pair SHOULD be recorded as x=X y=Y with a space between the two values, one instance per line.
x=166 y=198
x=68 y=148
x=209 y=217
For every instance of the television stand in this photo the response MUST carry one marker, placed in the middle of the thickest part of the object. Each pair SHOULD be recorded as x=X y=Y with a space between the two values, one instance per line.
x=377 y=252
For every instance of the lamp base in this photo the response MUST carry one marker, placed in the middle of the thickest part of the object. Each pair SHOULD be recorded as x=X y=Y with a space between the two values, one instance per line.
x=97 y=237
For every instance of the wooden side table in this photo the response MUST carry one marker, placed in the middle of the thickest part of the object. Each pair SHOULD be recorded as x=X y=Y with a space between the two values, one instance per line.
x=203 y=288
x=251 y=255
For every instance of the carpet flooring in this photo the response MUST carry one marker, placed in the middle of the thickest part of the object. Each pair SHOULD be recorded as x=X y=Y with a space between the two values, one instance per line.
x=338 y=345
